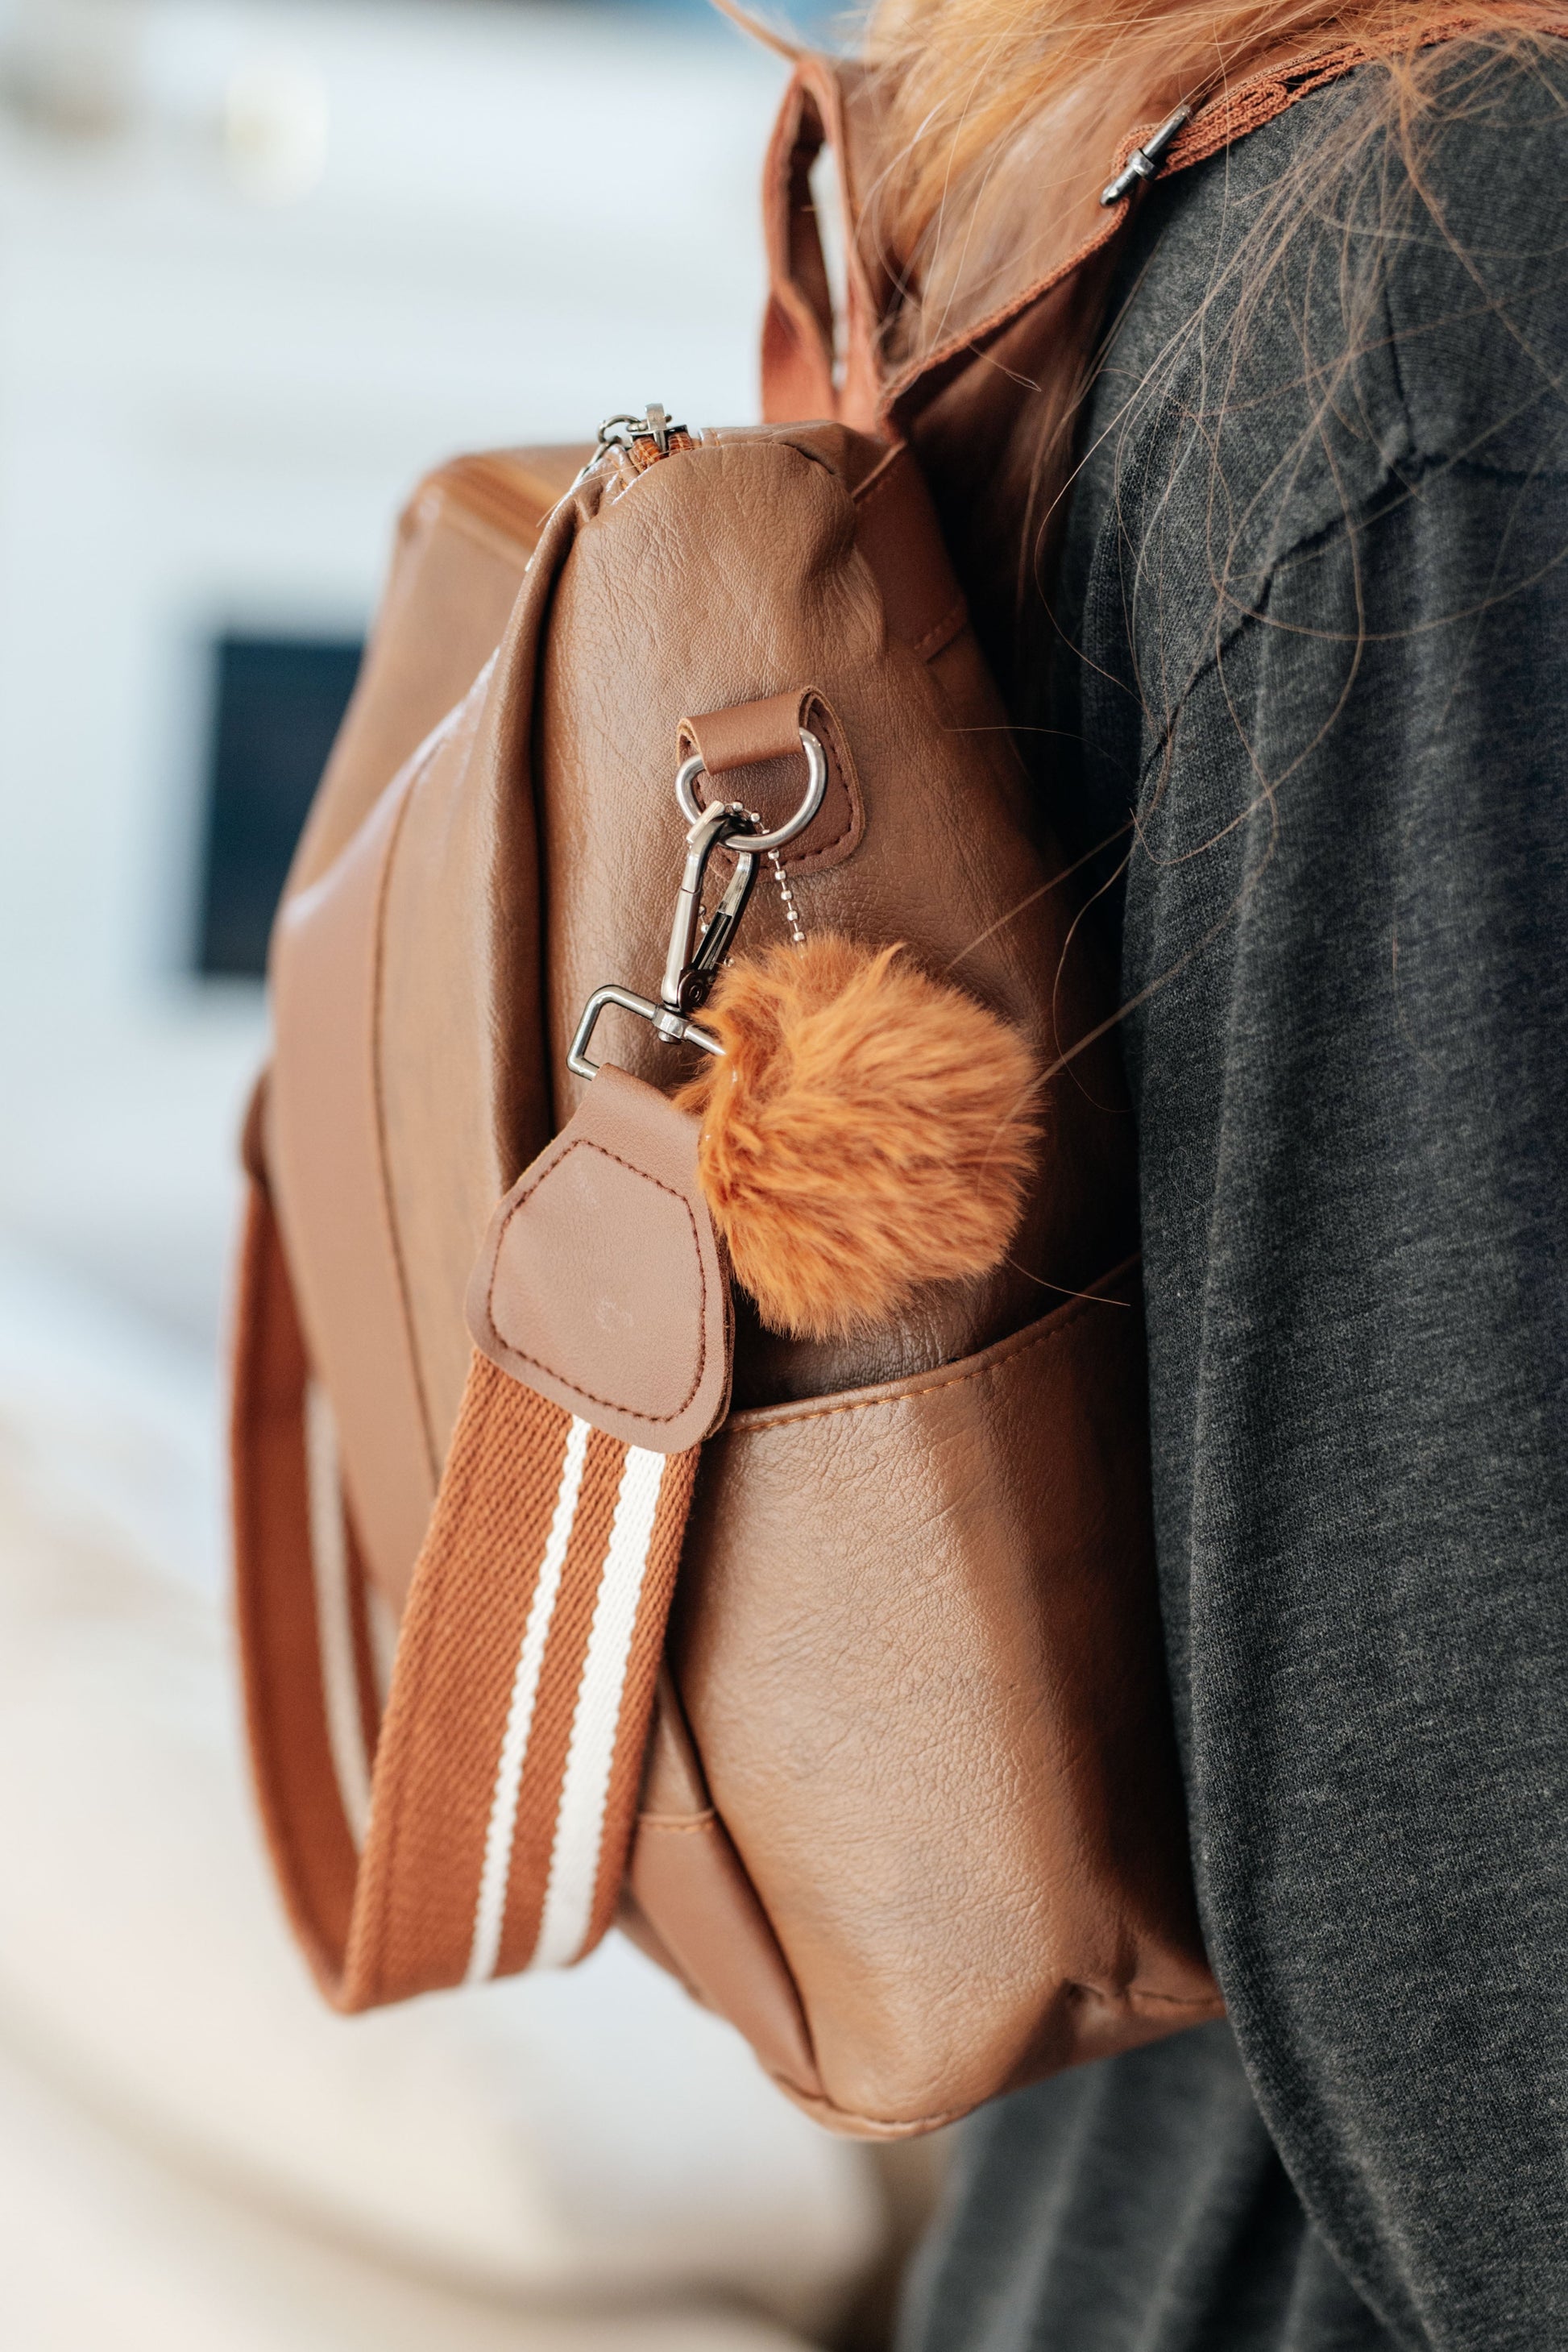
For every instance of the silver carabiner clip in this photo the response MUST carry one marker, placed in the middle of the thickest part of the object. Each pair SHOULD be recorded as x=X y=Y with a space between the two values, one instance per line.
x=815 y=788
x=697 y=948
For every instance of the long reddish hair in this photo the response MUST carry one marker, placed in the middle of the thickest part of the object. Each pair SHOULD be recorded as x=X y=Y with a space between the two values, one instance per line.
x=1000 y=117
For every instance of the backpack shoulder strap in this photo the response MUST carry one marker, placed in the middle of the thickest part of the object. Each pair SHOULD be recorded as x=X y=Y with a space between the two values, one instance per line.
x=473 y=1818
x=828 y=105
x=812 y=365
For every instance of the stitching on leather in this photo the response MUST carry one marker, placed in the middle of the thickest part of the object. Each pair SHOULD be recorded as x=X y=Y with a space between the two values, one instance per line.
x=654 y=1420
x=1054 y=1324
x=837 y=765
x=869 y=492
x=953 y=620
x=812 y=700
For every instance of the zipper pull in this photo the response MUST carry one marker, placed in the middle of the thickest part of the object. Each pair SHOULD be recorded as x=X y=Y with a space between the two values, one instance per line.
x=646 y=439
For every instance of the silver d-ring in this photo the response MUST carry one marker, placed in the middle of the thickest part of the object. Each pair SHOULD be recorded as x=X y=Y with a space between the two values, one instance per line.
x=817 y=785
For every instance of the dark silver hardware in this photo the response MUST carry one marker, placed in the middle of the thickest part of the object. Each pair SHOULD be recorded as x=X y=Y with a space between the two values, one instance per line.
x=759 y=843
x=1144 y=162
x=656 y=425
x=671 y=1027
x=619 y=433
x=697 y=948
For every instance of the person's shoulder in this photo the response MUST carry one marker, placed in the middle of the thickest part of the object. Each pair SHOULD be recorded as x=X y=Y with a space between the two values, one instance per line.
x=1475 y=252
x=1384 y=263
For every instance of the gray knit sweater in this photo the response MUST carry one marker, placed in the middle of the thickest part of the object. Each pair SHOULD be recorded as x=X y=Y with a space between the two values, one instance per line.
x=1314 y=622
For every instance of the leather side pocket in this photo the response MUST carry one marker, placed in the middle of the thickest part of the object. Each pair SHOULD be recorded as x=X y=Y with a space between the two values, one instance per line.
x=917 y=1644
x=689 y=1906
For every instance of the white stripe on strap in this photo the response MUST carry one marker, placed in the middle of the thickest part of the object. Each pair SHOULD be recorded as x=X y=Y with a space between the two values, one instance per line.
x=585 y=1785
x=490 y=1911
x=334 y=1619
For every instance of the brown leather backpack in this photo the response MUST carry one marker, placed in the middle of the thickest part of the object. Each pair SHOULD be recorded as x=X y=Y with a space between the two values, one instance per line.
x=831 y=1668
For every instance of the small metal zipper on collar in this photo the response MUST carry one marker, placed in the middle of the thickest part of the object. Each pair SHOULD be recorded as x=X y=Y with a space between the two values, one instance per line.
x=1144 y=162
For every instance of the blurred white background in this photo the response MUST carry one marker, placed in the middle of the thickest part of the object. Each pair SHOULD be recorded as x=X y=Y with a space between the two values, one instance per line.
x=260 y=266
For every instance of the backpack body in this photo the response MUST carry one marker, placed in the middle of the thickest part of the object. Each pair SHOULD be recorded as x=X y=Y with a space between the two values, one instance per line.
x=893 y=1785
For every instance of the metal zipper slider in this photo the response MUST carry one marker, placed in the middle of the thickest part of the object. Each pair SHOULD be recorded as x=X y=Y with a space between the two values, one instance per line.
x=698 y=948
x=656 y=425
x=1144 y=162
x=642 y=439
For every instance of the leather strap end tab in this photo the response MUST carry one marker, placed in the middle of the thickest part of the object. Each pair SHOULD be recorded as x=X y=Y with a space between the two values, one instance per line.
x=449 y=1838
x=757 y=734
x=600 y=1284
x=748 y=733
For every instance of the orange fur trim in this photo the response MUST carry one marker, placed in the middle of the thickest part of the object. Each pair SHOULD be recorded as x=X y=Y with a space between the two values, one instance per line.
x=868 y=1129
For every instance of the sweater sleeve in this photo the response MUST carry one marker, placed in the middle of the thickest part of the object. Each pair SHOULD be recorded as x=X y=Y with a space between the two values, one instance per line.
x=1345 y=932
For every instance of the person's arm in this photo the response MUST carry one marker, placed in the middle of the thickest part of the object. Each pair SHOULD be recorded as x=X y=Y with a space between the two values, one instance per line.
x=1354 y=1120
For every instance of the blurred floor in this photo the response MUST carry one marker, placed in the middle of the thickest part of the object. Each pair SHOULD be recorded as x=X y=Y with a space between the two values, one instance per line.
x=181 y=2123
x=103 y=2245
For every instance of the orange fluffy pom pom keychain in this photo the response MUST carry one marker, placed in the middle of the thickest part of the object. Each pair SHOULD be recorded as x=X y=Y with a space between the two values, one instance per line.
x=868 y=1130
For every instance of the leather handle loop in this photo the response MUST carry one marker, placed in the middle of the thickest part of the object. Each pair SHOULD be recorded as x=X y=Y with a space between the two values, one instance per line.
x=752 y=736
x=809 y=370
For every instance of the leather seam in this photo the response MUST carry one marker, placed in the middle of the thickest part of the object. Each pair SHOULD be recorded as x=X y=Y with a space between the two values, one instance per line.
x=809 y=700
x=870 y=491
x=1213 y=2005
x=378 y=973
x=953 y=618
x=654 y=1420
x=942 y=632
x=904 y=2124
x=677 y=1824
x=1053 y=1327
x=800 y=2091
x=838 y=766
x=912 y=2124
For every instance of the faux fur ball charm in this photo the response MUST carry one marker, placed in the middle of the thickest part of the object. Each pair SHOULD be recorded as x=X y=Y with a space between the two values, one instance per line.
x=868 y=1129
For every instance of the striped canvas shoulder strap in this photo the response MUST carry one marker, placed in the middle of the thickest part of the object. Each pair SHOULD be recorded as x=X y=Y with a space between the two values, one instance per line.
x=465 y=1812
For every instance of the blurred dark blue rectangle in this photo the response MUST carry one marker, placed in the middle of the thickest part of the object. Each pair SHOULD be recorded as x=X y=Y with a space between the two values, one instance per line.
x=276 y=707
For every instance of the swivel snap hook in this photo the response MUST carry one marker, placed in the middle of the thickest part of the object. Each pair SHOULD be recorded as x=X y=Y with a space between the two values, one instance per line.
x=697 y=947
